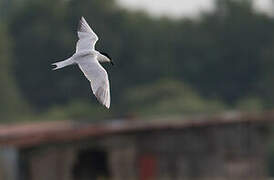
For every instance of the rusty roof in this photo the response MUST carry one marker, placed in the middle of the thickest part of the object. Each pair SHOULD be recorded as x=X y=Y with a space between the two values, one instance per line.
x=31 y=134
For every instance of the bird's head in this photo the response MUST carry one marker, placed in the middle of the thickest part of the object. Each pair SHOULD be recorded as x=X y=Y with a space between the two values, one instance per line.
x=108 y=58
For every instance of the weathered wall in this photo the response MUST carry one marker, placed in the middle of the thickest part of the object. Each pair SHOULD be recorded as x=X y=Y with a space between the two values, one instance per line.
x=54 y=163
x=122 y=152
x=9 y=163
x=231 y=152
x=227 y=152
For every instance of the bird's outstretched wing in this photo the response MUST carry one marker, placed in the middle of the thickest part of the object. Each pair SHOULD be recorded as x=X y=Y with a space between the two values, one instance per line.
x=98 y=78
x=87 y=37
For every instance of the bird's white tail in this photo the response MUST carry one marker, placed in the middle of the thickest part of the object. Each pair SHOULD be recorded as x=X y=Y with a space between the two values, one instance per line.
x=62 y=64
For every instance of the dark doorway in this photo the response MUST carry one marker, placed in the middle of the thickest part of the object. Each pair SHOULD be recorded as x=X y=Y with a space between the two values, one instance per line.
x=91 y=165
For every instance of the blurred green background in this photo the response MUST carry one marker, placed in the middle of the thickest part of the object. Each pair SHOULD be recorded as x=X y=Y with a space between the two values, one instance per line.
x=223 y=60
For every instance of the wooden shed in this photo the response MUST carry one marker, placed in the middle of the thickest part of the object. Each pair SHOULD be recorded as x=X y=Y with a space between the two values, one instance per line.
x=230 y=146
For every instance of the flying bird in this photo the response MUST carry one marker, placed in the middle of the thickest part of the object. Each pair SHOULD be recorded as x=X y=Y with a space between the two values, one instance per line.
x=87 y=58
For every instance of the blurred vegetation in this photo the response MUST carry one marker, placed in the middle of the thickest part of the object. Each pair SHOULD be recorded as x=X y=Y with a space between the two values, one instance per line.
x=167 y=97
x=12 y=104
x=224 y=60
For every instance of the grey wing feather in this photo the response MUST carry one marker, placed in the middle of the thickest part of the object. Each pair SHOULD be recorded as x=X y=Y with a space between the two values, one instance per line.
x=98 y=78
x=87 y=37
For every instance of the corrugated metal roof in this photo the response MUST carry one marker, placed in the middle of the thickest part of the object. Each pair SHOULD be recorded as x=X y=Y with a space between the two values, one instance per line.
x=31 y=134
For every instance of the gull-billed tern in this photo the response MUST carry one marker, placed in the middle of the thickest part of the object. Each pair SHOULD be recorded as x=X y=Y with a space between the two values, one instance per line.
x=87 y=58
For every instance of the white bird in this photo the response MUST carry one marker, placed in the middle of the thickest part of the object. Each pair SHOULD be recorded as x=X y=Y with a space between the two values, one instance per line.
x=87 y=58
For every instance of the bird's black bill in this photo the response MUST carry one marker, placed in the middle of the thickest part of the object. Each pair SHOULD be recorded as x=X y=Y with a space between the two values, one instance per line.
x=111 y=63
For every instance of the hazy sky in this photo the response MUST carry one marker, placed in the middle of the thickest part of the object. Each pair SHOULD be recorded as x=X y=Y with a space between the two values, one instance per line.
x=181 y=8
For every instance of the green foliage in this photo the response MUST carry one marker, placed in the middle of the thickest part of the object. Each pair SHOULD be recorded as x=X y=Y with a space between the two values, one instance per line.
x=12 y=105
x=169 y=97
x=77 y=110
x=250 y=104
x=224 y=58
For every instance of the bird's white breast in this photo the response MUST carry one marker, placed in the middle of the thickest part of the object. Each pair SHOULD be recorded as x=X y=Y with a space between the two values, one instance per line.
x=79 y=56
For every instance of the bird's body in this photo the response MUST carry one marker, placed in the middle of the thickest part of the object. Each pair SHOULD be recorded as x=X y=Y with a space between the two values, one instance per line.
x=87 y=58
